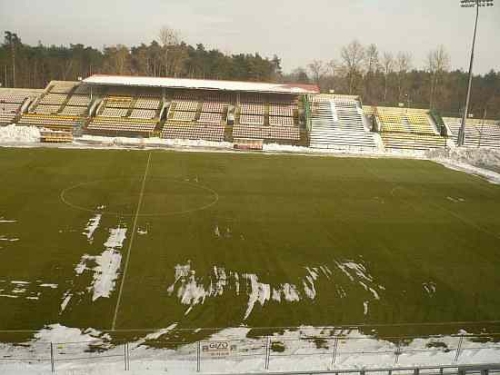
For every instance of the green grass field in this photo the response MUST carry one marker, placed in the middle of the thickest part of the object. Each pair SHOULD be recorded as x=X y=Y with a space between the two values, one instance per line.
x=360 y=241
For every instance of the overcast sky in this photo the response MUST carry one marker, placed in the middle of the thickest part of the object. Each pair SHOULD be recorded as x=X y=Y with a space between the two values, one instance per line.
x=297 y=31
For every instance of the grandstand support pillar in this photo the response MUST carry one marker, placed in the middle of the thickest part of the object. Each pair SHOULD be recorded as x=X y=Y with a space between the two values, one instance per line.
x=461 y=133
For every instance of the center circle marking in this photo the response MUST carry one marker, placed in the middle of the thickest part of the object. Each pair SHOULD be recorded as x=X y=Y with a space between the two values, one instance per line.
x=211 y=196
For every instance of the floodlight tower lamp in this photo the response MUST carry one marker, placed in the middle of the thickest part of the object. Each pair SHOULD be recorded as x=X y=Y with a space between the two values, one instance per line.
x=470 y=4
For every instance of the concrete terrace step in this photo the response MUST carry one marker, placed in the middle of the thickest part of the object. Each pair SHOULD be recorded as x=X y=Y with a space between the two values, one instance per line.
x=337 y=123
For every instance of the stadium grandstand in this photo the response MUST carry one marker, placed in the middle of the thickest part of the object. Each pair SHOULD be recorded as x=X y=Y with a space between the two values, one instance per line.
x=63 y=107
x=196 y=115
x=406 y=128
x=127 y=111
x=14 y=102
x=248 y=114
x=478 y=133
x=199 y=109
x=268 y=117
x=338 y=122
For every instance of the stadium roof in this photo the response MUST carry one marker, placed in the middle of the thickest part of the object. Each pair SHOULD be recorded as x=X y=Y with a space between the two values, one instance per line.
x=203 y=84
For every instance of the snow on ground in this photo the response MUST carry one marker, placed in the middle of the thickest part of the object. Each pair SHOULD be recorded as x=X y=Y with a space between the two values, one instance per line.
x=156 y=335
x=304 y=349
x=106 y=273
x=7 y=239
x=357 y=273
x=192 y=289
x=19 y=134
x=108 y=264
x=6 y=221
x=24 y=289
x=116 y=238
x=66 y=298
x=114 y=142
x=91 y=227
x=483 y=162
x=105 y=266
x=259 y=292
x=430 y=288
x=57 y=333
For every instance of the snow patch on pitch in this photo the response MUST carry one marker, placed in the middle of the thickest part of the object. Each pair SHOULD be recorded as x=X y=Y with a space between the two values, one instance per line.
x=358 y=273
x=105 y=267
x=192 y=289
x=91 y=227
x=59 y=334
x=6 y=221
x=20 y=289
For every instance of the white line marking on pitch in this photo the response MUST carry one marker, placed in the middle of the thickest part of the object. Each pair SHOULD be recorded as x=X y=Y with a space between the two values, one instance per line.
x=134 y=226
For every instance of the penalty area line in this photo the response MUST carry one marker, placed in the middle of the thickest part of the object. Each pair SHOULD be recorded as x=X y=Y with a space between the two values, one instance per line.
x=129 y=250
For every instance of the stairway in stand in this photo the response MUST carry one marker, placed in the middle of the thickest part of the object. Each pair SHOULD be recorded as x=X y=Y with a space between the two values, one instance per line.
x=337 y=123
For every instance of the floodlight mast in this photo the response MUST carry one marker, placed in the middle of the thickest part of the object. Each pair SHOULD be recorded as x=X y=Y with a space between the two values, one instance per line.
x=470 y=4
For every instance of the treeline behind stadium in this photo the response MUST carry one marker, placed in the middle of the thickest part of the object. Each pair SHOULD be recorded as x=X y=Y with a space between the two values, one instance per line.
x=380 y=78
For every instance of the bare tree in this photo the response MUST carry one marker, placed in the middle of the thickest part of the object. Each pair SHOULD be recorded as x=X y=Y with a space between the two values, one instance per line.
x=387 y=68
x=403 y=65
x=318 y=70
x=372 y=60
x=438 y=62
x=332 y=70
x=168 y=37
x=372 y=67
x=353 y=56
x=332 y=67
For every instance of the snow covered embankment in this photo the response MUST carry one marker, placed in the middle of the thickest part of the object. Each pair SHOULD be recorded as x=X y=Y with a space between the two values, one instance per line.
x=121 y=142
x=483 y=162
x=300 y=352
x=19 y=134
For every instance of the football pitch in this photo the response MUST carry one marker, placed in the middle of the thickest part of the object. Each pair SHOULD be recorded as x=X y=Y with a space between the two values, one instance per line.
x=132 y=240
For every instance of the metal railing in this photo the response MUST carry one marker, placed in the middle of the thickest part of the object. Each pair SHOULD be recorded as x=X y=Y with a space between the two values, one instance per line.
x=484 y=369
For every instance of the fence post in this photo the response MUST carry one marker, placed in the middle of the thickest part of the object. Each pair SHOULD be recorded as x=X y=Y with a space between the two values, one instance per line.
x=268 y=353
x=198 y=356
x=334 y=352
x=52 y=362
x=459 y=347
x=398 y=352
x=126 y=359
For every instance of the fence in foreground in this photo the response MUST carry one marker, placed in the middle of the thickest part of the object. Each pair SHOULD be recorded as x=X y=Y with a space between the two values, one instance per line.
x=334 y=354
